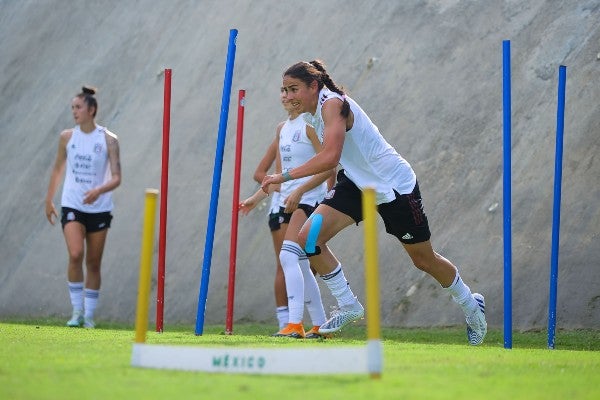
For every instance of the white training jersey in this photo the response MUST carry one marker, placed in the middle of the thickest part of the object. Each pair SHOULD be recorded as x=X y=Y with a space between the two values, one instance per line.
x=87 y=167
x=295 y=148
x=367 y=158
x=275 y=203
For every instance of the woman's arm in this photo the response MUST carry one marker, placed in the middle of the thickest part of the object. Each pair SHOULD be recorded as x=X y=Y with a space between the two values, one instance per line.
x=333 y=143
x=265 y=163
x=112 y=144
x=292 y=201
x=56 y=174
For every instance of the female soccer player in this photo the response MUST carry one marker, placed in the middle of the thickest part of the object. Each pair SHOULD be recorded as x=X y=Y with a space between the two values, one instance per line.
x=296 y=143
x=93 y=170
x=367 y=160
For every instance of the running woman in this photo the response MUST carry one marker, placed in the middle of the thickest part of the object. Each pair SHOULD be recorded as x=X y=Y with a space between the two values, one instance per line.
x=351 y=139
x=90 y=154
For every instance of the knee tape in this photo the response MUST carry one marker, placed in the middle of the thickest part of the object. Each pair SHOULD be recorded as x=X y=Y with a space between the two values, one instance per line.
x=311 y=247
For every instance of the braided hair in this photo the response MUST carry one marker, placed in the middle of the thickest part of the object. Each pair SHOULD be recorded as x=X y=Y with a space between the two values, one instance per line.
x=315 y=70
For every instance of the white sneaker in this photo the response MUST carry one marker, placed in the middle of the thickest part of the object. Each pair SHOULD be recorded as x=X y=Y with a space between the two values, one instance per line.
x=88 y=323
x=76 y=319
x=476 y=325
x=342 y=317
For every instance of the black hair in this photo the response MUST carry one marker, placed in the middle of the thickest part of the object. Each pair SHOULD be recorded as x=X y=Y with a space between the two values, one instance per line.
x=315 y=70
x=87 y=94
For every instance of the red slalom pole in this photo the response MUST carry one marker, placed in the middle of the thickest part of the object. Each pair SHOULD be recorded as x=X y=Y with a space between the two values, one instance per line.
x=164 y=184
x=234 y=213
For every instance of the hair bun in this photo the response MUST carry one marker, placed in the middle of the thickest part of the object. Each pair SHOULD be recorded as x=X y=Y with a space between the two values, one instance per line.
x=89 y=90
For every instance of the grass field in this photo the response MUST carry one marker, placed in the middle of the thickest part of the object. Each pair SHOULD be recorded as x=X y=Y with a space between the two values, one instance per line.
x=44 y=360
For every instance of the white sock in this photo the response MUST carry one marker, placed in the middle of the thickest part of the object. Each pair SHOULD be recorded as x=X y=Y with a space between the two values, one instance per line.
x=90 y=302
x=339 y=286
x=462 y=295
x=76 y=294
x=312 y=294
x=294 y=282
x=283 y=316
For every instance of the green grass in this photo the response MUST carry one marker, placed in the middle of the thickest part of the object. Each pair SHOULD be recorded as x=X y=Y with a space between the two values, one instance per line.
x=44 y=360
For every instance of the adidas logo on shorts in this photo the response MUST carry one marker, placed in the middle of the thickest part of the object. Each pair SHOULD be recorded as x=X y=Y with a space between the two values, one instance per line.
x=407 y=236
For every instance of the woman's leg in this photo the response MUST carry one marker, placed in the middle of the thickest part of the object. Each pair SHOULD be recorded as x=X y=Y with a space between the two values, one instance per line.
x=281 y=302
x=328 y=266
x=93 y=260
x=311 y=294
x=95 y=248
x=473 y=305
x=74 y=234
x=427 y=260
x=332 y=222
x=289 y=257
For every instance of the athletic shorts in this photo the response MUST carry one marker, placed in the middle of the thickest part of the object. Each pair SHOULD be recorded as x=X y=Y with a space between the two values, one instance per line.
x=308 y=209
x=403 y=217
x=93 y=222
x=275 y=221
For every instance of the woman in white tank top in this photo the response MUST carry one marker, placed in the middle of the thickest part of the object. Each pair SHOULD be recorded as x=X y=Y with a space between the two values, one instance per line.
x=296 y=142
x=90 y=155
x=352 y=140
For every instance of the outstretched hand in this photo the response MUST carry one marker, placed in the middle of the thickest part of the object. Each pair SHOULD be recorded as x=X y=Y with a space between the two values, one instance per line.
x=247 y=205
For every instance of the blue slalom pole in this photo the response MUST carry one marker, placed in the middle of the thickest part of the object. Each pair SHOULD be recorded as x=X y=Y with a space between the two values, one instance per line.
x=506 y=205
x=560 y=125
x=214 y=197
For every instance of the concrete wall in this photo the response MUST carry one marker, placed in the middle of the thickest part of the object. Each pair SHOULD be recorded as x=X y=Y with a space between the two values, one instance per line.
x=428 y=72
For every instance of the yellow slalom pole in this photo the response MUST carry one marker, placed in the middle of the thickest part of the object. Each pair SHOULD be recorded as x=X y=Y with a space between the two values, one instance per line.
x=141 y=320
x=374 y=346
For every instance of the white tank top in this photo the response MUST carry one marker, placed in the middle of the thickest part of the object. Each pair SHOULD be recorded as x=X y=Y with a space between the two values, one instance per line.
x=295 y=148
x=367 y=158
x=87 y=167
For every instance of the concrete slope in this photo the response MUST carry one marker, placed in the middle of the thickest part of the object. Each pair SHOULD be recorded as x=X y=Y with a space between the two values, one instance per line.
x=429 y=73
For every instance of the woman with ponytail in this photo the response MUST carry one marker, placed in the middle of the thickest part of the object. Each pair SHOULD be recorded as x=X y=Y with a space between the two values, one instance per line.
x=90 y=154
x=352 y=140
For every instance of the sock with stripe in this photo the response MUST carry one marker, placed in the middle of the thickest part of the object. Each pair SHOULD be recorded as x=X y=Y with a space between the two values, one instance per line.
x=339 y=286
x=461 y=294
x=294 y=282
x=283 y=316
x=76 y=295
x=312 y=294
x=90 y=302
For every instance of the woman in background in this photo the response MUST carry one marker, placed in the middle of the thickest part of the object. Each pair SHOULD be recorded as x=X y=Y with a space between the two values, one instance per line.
x=90 y=154
x=295 y=143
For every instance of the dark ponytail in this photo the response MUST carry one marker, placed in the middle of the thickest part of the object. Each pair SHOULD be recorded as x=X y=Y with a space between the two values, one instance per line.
x=315 y=70
x=87 y=94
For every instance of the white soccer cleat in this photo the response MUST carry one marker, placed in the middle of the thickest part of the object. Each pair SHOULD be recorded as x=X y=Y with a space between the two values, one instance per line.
x=476 y=325
x=342 y=317
x=76 y=319
x=88 y=323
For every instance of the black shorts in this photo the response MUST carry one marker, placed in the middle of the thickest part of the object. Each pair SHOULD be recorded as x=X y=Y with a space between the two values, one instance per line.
x=275 y=221
x=93 y=222
x=308 y=209
x=403 y=217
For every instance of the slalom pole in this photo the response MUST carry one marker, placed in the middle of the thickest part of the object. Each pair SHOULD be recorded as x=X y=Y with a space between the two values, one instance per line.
x=141 y=319
x=164 y=186
x=214 y=197
x=506 y=208
x=374 y=345
x=234 y=213
x=560 y=125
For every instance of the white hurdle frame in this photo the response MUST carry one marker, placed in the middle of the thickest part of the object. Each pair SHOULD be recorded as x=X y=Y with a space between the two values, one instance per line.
x=367 y=359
